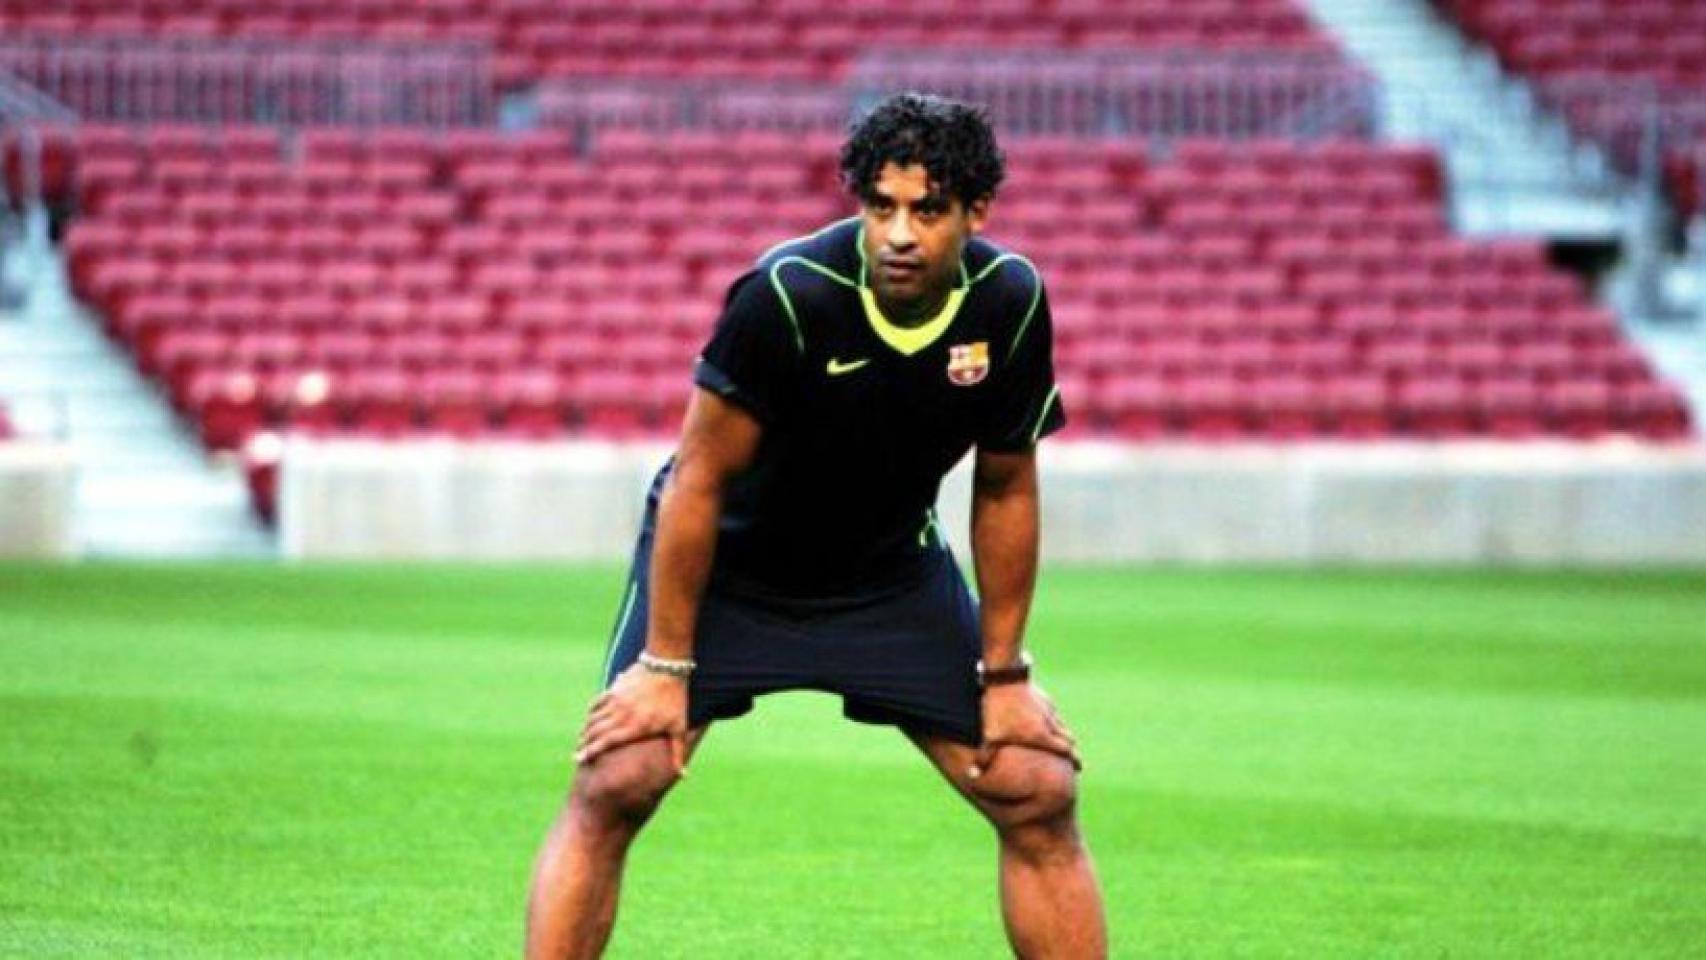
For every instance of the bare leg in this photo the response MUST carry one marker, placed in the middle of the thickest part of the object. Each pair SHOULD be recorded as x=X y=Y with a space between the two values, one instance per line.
x=1050 y=901
x=578 y=875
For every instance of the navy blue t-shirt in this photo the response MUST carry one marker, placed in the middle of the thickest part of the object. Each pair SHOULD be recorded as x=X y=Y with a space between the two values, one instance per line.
x=861 y=419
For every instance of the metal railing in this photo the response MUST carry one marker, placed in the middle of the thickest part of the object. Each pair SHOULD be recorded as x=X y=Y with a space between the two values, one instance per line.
x=233 y=81
x=1155 y=96
x=1656 y=136
x=1637 y=122
x=1082 y=94
x=589 y=105
x=19 y=101
x=24 y=110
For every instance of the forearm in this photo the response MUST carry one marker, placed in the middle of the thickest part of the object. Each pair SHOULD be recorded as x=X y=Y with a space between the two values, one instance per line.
x=681 y=560
x=1004 y=535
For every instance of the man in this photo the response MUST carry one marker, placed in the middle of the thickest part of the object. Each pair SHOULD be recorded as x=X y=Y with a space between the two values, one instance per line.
x=792 y=542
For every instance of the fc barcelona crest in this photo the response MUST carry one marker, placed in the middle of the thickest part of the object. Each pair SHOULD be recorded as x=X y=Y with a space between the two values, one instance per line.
x=968 y=363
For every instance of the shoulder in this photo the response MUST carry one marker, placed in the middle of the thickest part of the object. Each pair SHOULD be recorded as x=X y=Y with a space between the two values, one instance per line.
x=1006 y=269
x=829 y=256
x=1010 y=286
x=792 y=280
x=819 y=265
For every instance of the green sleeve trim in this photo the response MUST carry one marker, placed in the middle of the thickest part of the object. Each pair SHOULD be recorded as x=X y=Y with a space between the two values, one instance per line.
x=810 y=236
x=817 y=267
x=621 y=628
x=991 y=266
x=1053 y=398
x=788 y=303
x=1036 y=294
x=1030 y=311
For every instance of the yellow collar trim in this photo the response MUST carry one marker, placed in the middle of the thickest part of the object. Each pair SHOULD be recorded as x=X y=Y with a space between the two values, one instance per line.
x=910 y=340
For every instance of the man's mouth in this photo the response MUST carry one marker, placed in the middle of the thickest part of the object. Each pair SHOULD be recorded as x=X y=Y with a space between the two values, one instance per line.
x=900 y=269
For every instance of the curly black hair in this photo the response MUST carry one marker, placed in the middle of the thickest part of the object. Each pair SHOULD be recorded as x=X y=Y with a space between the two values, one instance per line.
x=953 y=141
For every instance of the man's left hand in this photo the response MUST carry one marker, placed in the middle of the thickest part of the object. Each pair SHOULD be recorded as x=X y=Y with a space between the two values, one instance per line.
x=1021 y=715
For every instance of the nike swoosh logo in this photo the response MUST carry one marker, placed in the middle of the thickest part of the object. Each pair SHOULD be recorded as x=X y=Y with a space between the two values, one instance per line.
x=837 y=368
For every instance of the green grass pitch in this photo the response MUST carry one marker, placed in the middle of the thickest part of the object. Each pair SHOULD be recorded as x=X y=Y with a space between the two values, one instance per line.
x=354 y=761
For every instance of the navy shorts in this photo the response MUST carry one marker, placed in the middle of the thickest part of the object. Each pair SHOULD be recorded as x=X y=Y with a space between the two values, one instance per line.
x=907 y=658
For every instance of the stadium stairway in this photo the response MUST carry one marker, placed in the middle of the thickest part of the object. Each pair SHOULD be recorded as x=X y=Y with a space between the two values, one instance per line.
x=145 y=488
x=1514 y=168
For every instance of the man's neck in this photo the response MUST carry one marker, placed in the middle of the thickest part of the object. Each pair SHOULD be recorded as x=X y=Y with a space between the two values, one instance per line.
x=916 y=313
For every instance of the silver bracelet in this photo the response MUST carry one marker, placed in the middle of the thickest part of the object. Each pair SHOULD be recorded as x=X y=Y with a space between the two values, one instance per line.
x=679 y=669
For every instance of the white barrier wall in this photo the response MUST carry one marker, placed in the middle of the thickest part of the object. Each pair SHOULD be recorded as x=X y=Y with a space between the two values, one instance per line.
x=1422 y=504
x=446 y=500
x=36 y=482
x=1541 y=504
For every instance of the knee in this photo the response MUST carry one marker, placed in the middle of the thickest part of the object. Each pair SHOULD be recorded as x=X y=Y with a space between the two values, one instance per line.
x=1031 y=798
x=623 y=787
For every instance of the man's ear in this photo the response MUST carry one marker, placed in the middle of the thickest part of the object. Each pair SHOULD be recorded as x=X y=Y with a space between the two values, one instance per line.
x=977 y=214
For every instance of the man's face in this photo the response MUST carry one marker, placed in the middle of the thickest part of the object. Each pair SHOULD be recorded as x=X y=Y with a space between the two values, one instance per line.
x=914 y=235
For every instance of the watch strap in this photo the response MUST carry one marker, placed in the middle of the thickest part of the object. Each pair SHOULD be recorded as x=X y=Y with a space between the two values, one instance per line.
x=1018 y=671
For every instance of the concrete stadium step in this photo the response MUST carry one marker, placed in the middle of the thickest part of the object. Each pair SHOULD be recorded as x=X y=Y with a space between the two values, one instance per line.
x=164 y=512
x=96 y=455
x=19 y=336
x=146 y=488
x=62 y=373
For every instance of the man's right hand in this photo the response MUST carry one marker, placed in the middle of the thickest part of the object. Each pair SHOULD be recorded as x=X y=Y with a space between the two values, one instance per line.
x=640 y=705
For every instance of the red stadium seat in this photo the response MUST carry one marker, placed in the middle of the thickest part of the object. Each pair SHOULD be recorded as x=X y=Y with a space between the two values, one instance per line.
x=1357 y=407
x=307 y=403
x=453 y=402
x=603 y=401
x=228 y=403
x=529 y=403
x=1652 y=409
x=381 y=402
x=1435 y=407
x=1286 y=408
x=1509 y=408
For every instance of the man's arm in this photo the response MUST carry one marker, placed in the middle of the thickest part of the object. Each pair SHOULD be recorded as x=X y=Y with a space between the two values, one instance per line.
x=719 y=440
x=1004 y=536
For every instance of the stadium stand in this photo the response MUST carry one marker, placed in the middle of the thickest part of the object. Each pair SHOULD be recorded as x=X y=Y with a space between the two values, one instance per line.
x=390 y=281
x=474 y=284
x=1609 y=67
x=793 y=40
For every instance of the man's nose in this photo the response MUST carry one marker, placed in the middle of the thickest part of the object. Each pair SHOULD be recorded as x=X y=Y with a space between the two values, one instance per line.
x=900 y=235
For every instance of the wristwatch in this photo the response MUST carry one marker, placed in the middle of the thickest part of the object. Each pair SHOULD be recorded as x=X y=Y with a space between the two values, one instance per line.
x=1016 y=672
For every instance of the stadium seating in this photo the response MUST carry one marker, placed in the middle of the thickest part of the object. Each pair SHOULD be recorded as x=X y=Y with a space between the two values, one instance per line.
x=472 y=284
x=395 y=283
x=1605 y=64
x=1278 y=291
x=1664 y=40
x=786 y=40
